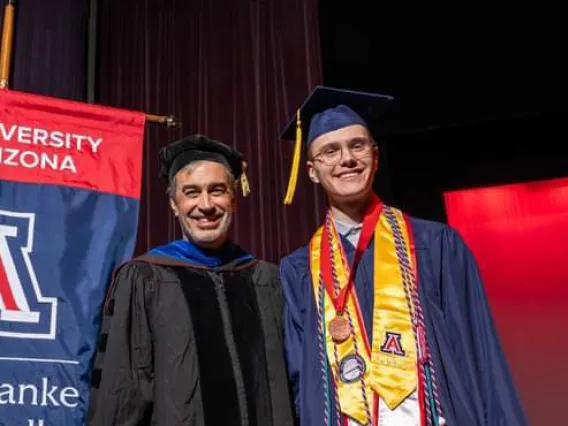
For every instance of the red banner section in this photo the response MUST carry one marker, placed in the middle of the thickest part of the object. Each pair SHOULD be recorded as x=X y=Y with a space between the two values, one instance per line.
x=60 y=142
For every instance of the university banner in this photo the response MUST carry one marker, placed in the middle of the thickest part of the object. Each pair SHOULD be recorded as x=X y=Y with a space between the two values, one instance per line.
x=70 y=177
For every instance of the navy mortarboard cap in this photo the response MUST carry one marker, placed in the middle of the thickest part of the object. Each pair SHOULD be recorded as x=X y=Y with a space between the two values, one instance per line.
x=176 y=155
x=325 y=110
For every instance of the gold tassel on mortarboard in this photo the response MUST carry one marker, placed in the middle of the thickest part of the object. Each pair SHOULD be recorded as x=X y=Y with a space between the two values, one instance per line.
x=295 y=162
x=245 y=187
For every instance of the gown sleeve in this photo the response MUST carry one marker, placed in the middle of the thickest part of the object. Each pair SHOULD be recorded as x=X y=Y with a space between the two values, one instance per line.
x=122 y=383
x=487 y=361
x=293 y=327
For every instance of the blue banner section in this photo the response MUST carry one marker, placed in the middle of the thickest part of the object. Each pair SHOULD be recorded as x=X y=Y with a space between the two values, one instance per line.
x=58 y=247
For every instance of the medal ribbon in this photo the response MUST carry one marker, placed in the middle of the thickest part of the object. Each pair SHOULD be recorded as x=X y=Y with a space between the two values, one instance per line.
x=349 y=393
x=391 y=366
x=371 y=218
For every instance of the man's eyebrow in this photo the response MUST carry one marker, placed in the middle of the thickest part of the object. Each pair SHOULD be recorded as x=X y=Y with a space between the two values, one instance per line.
x=189 y=186
x=211 y=185
x=358 y=139
x=353 y=139
x=332 y=143
x=220 y=183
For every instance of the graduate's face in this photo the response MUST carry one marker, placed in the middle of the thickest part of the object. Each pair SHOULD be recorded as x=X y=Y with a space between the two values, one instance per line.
x=204 y=203
x=344 y=162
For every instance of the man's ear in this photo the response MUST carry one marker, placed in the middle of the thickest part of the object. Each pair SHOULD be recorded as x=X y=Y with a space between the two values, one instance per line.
x=234 y=204
x=312 y=172
x=174 y=206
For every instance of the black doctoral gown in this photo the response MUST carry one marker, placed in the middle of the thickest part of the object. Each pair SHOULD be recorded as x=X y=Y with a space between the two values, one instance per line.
x=192 y=345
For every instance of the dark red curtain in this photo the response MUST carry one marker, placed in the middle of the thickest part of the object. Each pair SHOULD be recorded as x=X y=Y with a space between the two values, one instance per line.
x=518 y=234
x=49 y=52
x=232 y=69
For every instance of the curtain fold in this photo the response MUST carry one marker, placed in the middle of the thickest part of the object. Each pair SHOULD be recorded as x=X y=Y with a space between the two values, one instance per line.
x=234 y=70
x=49 y=51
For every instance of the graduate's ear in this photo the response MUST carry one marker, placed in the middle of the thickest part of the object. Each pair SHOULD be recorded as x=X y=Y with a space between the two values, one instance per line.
x=174 y=206
x=375 y=158
x=312 y=172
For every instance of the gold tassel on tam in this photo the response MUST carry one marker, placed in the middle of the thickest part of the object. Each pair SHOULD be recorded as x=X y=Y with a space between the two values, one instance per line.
x=245 y=187
x=295 y=162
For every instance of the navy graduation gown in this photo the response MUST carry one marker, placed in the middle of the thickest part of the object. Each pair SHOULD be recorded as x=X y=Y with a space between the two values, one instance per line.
x=475 y=384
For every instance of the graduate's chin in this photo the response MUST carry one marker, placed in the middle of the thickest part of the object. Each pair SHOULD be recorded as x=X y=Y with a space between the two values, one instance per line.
x=351 y=193
x=351 y=190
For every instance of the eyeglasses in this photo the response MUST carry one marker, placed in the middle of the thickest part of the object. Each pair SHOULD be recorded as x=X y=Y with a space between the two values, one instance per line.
x=332 y=153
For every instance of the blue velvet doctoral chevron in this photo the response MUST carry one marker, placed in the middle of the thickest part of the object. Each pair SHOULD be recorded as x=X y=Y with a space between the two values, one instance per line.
x=188 y=252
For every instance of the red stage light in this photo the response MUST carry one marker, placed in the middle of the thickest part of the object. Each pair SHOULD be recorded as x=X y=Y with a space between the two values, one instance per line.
x=519 y=236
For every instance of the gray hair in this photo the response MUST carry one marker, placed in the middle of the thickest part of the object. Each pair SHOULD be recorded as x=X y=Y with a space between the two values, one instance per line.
x=231 y=180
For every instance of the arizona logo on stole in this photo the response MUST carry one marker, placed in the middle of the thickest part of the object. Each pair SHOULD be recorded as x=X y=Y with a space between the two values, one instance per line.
x=392 y=344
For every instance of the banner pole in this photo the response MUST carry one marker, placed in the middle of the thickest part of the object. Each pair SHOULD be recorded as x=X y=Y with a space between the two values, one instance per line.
x=6 y=47
x=92 y=42
x=168 y=120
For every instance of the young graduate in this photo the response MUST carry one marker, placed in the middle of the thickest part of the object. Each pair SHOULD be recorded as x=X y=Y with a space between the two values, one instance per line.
x=386 y=319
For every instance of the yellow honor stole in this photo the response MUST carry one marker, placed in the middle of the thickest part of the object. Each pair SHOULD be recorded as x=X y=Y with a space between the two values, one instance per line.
x=388 y=368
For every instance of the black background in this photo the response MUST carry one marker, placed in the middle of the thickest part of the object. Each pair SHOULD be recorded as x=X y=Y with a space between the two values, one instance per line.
x=480 y=90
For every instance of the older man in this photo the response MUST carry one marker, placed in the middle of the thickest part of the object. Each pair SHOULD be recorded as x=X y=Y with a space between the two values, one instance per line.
x=387 y=322
x=191 y=330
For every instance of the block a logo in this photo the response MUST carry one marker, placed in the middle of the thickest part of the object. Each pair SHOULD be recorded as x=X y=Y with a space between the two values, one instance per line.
x=25 y=312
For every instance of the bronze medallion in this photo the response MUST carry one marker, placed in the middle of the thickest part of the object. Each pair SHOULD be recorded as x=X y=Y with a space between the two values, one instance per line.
x=339 y=329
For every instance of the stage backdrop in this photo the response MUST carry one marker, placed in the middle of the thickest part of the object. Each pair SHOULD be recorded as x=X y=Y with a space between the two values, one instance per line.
x=235 y=70
x=519 y=235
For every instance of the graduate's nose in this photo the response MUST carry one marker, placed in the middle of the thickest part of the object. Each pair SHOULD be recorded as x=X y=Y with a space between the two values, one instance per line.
x=347 y=158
